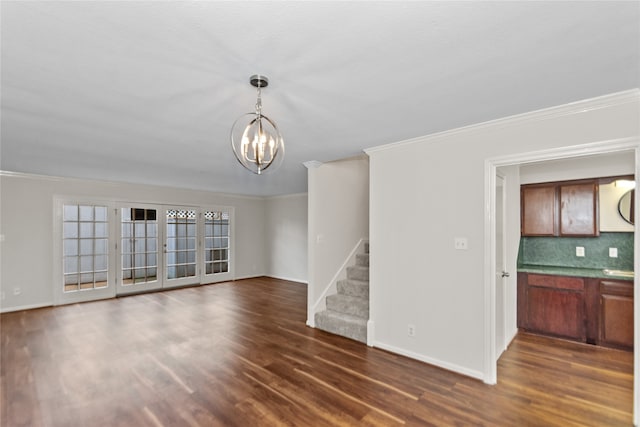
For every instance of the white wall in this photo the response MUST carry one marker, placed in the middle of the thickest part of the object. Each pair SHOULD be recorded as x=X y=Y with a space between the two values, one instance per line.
x=338 y=218
x=286 y=237
x=425 y=192
x=26 y=221
x=610 y=218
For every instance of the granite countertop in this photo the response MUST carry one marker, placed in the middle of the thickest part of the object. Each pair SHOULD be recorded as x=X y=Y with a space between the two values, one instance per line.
x=569 y=271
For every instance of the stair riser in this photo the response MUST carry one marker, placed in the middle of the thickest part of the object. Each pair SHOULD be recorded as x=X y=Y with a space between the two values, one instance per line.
x=359 y=308
x=358 y=273
x=356 y=332
x=354 y=288
x=362 y=260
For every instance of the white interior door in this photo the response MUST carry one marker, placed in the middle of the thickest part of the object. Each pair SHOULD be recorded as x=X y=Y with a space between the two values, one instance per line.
x=140 y=259
x=501 y=263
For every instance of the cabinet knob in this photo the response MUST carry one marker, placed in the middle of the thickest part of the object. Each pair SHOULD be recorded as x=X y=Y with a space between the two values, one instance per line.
x=505 y=274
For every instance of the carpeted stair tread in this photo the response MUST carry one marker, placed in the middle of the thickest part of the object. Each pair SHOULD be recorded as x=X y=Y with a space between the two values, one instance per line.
x=342 y=324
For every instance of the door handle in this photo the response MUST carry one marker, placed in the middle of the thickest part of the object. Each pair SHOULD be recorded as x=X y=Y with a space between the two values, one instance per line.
x=505 y=274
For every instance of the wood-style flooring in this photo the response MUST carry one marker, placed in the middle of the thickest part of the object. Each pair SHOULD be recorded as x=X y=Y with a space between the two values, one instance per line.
x=239 y=354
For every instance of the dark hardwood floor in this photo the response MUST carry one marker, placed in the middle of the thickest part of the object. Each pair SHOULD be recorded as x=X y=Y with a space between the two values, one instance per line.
x=239 y=354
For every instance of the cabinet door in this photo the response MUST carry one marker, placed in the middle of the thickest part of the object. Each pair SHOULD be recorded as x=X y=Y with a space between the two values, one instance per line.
x=579 y=209
x=556 y=312
x=538 y=211
x=616 y=314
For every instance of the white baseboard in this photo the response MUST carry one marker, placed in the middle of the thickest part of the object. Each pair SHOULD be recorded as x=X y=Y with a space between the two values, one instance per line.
x=431 y=361
x=25 y=307
x=290 y=279
x=251 y=276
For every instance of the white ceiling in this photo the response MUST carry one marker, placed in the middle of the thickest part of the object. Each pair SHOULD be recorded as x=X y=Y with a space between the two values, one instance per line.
x=146 y=92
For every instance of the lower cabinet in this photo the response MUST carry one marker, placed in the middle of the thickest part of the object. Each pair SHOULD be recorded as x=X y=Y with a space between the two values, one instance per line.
x=616 y=314
x=552 y=305
x=596 y=311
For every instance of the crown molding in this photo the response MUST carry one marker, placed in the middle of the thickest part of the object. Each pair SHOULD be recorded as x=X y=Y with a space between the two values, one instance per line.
x=51 y=178
x=582 y=106
x=312 y=164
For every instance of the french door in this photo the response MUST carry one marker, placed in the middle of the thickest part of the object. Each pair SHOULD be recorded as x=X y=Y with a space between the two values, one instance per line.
x=108 y=249
x=85 y=259
x=138 y=248
x=217 y=255
x=158 y=247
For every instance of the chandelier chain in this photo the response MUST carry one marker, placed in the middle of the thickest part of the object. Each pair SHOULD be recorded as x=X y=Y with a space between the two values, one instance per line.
x=259 y=103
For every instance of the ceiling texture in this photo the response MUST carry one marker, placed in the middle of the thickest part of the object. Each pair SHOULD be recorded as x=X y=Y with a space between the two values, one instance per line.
x=146 y=92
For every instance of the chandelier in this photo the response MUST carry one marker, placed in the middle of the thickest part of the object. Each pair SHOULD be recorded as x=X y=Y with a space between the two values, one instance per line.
x=255 y=139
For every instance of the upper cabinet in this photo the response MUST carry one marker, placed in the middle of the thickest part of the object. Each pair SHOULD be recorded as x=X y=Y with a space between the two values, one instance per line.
x=539 y=210
x=579 y=209
x=567 y=208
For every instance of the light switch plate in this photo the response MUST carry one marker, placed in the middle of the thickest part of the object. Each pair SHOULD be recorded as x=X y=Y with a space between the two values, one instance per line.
x=579 y=250
x=613 y=252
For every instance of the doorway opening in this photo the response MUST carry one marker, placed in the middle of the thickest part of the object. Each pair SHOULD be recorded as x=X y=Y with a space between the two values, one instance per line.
x=492 y=300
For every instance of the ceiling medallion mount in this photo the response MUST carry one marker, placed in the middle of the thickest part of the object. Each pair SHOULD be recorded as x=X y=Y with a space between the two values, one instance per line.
x=255 y=139
x=259 y=81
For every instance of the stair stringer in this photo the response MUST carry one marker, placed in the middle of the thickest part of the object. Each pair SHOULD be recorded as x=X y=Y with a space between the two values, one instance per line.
x=332 y=286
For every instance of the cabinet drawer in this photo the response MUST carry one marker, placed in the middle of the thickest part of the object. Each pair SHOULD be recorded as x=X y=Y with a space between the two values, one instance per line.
x=616 y=288
x=557 y=282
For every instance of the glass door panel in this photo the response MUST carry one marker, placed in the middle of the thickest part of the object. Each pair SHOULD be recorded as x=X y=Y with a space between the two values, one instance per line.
x=180 y=247
x=139 y=257
x=85 y=249
x=84 y=257
x=217 y=245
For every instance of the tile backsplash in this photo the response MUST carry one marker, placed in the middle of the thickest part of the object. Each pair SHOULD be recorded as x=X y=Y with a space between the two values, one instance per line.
x=561 y=251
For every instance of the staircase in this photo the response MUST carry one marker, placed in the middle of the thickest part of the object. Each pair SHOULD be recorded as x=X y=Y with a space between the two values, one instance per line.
x=347 y=311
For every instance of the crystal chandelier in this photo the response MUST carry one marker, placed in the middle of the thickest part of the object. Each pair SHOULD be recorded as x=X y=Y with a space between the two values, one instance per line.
x=255 y=139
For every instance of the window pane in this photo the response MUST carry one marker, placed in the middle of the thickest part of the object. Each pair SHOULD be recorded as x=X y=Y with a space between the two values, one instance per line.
x=100 y=262
x=86 y=213
x=139 y=229
x=70 y=213
x=86 y=264
x=101 y=213
x=101 y=229
x=101 y=246
x=86 y=246
x=70 y=230
x=86 y=229
x=151 y=260
x=71 y=265
x=70 y=247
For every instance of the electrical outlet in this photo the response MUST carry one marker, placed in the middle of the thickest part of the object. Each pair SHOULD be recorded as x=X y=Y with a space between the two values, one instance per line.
x=411 y=330
x=17 y=291
x=460 y=243
x=579 y=251
x=613 y=252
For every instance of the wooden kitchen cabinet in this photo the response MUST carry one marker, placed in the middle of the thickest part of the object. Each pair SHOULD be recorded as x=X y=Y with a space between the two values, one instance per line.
x=539 y=209
x=566 y=208
x=579 y=209
x=595 y=311
x=552 y=305
x=616 y=314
